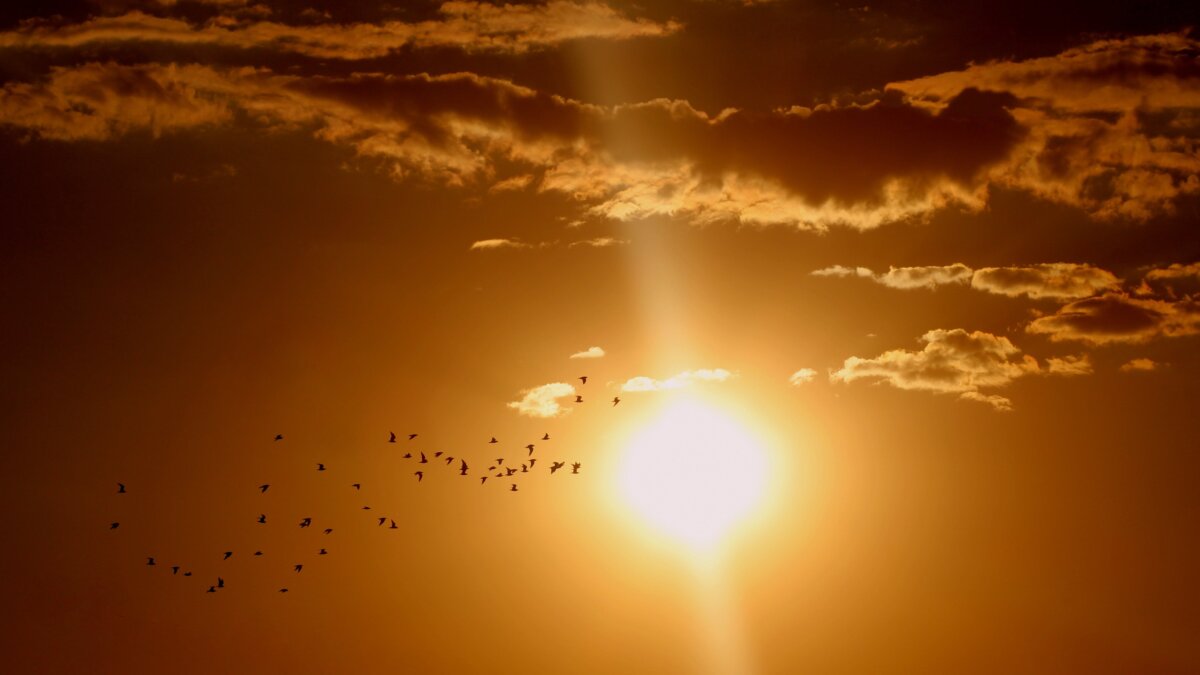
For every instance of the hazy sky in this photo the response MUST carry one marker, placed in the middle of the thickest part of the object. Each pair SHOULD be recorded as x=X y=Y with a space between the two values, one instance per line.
x=942 y=262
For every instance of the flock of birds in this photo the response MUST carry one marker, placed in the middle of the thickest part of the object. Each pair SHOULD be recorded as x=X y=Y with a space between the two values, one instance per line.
x=496 y=470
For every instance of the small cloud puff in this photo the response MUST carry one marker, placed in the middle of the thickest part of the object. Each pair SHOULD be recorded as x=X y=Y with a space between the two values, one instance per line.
x=802 y=376
x=1140 y=365
x=491 y=244
x=589 y=353
x=685 y=379
x=543 y=401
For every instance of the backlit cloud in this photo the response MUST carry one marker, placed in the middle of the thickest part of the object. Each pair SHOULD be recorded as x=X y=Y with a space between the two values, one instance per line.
x=589 y=353
x=1140 y=365
x=492 y=244
x=685 y=379
x=1119 y=317
x=1050 y=280
x=543 y=401
x=802 y=376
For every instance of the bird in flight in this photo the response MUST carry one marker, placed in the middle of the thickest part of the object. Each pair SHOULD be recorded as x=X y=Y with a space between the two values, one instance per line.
x=583 y=379
x=187 y=574
x=575 y=467
x=509 y=471
x=482 y=480
x=264 y=487
x=298 y=567
x=408 y=455
x=578 y=399
x=449 y=459
x=279 y=437
x=462 y=470
x=546 y=437
x=556 y=466
x=438 y=453
x=150 y=561
x=499 y=461
x=423 y=460
x=493 y=440
x=228 y=555
x=529 y=448
x=382 y=521
x=306 y=522
x=531 y=461
x=513 y=488
x=174 y=569
x=329 y=530
x=257 y=553
x=322 y=552
x=391 y=437
x=220 y=582
x=211 y=589
x=393 y=526
x=616 y=400
x=114 y=526
x=420 y=475
x=366 y=508
x=524 y=468
x=120 y=488
x=356 y=486
x=262 y=518
x=320 y=467
x=283 y=590
x=411 y=436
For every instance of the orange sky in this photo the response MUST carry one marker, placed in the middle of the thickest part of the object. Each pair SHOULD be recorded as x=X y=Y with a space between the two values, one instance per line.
x=943 y=265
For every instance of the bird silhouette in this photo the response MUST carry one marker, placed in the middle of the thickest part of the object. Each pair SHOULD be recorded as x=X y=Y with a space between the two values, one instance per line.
x=420 y=475
x=482 y=480
x=120 y=488
x=524 y=469
x=546 y=436
x=438 y=453
x=366 y=508
x=320 y=467
x=578 y=399
x=530 y=449
x=583 y=379
x=220 y=582
x=150 y=561
x=462 y=470
x=262 y=518
x=411 y=436
x=279 y=437
x=322 y=552
x=114 y=526
x=306 y=522
x=257 y=553
x=493 y=440
x=382 y=521
x=187 y=574
x=449 y=460
x=283 y=590
x=393 y=526
x=213 y=589
x=616 y=400
x=423 y=460
x=228 y=555
x=408 y=455
x=509 y=471
x=575 y=467
x=556 y=466
x=391 y=437
x=329 y=530
x=513 y=488
x=499 y=461
x=298 y=567
x=174 y=569
x=264 y=487
x=532 y=460
x=356 y=486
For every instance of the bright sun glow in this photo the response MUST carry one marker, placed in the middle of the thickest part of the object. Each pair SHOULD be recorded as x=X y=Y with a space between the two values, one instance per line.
x=694 y=473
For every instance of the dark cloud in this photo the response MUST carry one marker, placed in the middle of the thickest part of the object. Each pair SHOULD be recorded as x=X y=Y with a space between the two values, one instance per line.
x=1119 y=317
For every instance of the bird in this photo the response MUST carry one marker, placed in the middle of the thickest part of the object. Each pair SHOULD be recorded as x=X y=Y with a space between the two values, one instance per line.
x=420 y=475
x=411 y=436
x=449 y=460
x=509 y=471
x=114 y=526
x=556 y=466
x=575 y=467
x=583 y=379
x=366 y=508
x=546 y=436
x=499 y=461
x=356 y=486
x=578 y=399
x=279 y=437
x=120 y=488
x=283 y=590
x=423 y=460
x=391 y=437
x=262 y=518
x=306 y=522
x=320 y=467
x=408 y=455
x=228 y=555
x=263 y=488
x=438 y=453
x=298 y=567
x=524 y=468
x=382 y=521
x=187 y=574
x=482 y=480
x=220 y=582
x=529 y=448
x=211 y=589
x=174 y=569
x=322 y=552
x=329 y=530
x=616 y=400
x=393 y=526
x=257 y=553
x=531 y=461
x=514 y=488
x=462 y=469
x=150 y=561
x=493 y=440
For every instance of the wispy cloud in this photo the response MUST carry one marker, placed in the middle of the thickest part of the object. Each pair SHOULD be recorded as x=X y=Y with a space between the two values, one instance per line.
x=543 y=401
x=679 y=381
x=589 y=353
x=492 y=244
x=1140 y=365
x=1118 y=317
x=802 y=376
x=1046 y=280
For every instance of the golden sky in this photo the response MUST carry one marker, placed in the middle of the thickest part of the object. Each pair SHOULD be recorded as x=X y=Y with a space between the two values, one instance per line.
x=888 y=314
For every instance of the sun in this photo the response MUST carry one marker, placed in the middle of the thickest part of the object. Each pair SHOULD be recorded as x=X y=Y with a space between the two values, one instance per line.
x=693 y=473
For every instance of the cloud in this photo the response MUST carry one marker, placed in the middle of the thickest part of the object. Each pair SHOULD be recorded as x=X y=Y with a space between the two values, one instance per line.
x=930 y=276
x=543 y=401
x=470 y=26
x=1140 y=365
x=1069 y=365
x=1049 y=280
x=512 y=184
x=589 y=353
x=802 y=376
x=843 y=271
x=599 y=242
x=1117 y=317
x=1107 y=123
x=492 y=244
x=685 y=379
x=956 y=362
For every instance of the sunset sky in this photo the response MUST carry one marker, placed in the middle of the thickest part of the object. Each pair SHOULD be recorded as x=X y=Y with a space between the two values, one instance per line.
x=900 y=301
